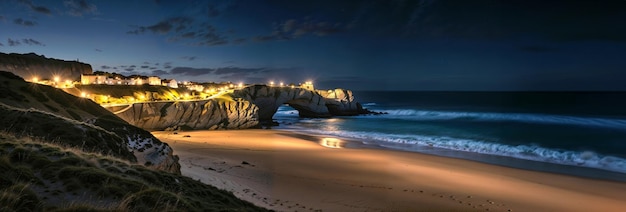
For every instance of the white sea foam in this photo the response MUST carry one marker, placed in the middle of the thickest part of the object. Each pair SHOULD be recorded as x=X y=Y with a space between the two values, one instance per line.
x=516 y=117
x=370 y=104
x=528 y=152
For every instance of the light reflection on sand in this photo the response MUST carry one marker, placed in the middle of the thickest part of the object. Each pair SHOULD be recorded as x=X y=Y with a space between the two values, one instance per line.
x=332 y=143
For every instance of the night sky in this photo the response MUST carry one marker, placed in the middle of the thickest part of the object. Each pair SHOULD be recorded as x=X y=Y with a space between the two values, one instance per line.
x=361 y=45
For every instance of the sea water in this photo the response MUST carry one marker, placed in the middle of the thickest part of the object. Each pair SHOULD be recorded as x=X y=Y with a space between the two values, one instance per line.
x=576 y=133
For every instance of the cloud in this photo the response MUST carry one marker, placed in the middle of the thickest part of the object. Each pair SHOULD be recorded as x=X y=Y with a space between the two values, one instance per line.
x=1 y=44
x=187 y=71
x=145 y=67
x=23 y=22
x=36 y=8
x=225 y=72
x=159 y=72
x=239 y=40
x=80 y=7
x=31 y=41
x=238 y=71
x=132 y=66
x=186 y=30
x=28 y=41
x=164 y=26
x=98 y=50
x=189 y=58
x=129 y=69
x=105 y=67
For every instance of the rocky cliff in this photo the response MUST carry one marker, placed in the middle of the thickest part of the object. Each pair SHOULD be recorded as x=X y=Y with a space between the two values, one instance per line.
x=32 y=65
x=308 y=103
x=340 y=102
x=35 y=110
x=243 y=108
x=210 y=114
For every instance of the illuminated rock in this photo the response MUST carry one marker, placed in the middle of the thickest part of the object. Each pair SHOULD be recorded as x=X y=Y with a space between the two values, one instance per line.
x=201 y=114
x=267 y=98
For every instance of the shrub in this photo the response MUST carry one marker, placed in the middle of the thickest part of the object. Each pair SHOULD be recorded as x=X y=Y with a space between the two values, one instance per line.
x=19 y=198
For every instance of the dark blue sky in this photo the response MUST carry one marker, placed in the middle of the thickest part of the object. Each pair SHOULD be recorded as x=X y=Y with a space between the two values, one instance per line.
x=362 y=45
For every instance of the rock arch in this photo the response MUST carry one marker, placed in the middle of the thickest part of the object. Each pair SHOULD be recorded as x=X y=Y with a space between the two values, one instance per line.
x=308 y=103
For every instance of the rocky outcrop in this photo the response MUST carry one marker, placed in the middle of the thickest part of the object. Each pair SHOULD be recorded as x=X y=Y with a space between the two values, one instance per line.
x=35 y=110
x=340 y=102
x=243 y=108
x=267 y=98
x=202 y=114
x=32 y=65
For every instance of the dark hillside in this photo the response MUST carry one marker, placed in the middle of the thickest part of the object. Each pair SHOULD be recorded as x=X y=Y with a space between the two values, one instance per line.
x=33 y=65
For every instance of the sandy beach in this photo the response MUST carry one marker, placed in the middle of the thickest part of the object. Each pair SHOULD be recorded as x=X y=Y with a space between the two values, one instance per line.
x=284 y=172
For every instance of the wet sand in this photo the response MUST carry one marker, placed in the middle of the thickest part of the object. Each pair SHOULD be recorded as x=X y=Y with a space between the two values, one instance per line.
x=287 y=172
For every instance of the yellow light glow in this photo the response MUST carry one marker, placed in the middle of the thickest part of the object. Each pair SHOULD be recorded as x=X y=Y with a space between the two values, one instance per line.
x=240 y=85
x=281 y=84
x=35 y=79
x=292 y=86
x=332 y=143
x=56 y=79
x=83 y=94
x=271 y=83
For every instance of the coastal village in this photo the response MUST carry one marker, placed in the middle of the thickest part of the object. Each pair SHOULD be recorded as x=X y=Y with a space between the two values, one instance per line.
x=190 y=90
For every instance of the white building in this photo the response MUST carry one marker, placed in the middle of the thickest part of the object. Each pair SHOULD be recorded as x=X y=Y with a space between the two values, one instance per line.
x=154 y=80
x=170 y=83
x=87 y=79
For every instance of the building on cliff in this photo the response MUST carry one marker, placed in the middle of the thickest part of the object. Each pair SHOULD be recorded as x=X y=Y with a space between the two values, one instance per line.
x=109 y=79
x=154 y=80
x=307 y=85
x=87 y=79
x=170 y=83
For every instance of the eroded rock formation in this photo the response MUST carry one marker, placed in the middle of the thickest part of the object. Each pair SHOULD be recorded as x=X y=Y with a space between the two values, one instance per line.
x=202 y=114
x=308 y=103
x=340 y=102
x=249 y=107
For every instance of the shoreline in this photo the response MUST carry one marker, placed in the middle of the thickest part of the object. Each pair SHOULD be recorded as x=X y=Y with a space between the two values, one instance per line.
x=286 y=171
x=588 y=172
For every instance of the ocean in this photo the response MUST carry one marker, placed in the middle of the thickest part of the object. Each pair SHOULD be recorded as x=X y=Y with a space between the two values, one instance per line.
x=573 y=133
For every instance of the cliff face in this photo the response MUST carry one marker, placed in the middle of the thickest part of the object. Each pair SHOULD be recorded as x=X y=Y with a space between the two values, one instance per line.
x=42 y=111
x=32 y=65
x=204 y=114
x=243 y=108
x=340 y=102
x=268 y=99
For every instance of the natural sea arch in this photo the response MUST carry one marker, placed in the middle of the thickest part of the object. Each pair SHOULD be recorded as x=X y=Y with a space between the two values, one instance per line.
x=308 y=103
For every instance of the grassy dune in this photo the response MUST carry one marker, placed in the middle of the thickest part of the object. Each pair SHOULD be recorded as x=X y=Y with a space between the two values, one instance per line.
x=38 y=176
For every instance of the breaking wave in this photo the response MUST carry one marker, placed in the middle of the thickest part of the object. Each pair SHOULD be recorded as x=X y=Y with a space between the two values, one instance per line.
x=428 y=115
x=528 y=152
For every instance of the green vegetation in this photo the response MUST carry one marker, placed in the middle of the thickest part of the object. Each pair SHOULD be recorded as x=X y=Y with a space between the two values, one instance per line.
x=38 y=176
